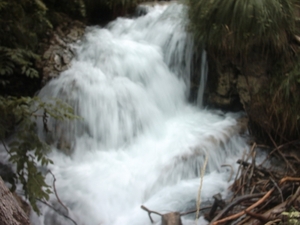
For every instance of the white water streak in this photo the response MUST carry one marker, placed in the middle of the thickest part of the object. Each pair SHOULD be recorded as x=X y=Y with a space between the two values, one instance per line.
x=140 y=142
x=203 y=78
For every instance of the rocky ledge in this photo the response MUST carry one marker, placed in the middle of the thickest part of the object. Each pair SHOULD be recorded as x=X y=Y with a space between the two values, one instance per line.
x=57 y=52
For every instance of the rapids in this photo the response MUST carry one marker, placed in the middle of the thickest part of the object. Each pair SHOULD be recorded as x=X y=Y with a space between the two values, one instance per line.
x=139 y=141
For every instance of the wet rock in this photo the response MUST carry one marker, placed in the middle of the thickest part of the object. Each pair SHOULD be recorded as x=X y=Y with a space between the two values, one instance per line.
x=249 y=86
x=221 y=89
x=57 y=53
x=232 y=84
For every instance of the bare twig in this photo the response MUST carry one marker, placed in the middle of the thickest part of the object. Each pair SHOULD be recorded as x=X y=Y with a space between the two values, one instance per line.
x=54 y=209
x=149 y=212
x=280 y=153
x=219 y=202
x=260 y=217
x=293 y=198
x=234 y=203
x=260 y=169
x=5 y=147
x=277 y=187
x=277 y=148
x=200 y=188
x=58 y=199
x=237 y=215
x=285 y=179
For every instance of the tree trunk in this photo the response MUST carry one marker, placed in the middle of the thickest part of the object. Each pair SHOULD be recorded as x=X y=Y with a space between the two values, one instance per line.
x=10 y=211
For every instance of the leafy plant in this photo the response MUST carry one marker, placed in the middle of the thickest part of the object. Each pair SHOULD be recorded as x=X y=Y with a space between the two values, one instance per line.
x=27 y=151
x=293 y=217
x=22 y=25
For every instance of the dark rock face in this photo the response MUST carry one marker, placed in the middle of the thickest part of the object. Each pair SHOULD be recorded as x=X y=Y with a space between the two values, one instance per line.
x=231 y=84
x=56 y=52
x=221 y=85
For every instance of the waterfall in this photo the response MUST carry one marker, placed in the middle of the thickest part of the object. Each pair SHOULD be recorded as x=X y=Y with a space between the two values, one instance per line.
x=139 y=140
x=203 y=78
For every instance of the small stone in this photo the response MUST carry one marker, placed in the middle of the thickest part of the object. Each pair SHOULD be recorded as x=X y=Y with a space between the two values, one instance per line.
x=57 y=60
x=66 y=59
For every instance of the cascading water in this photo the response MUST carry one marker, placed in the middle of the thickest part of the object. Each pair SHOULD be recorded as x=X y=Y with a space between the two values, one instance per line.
x=140 y=141
x=203 y=77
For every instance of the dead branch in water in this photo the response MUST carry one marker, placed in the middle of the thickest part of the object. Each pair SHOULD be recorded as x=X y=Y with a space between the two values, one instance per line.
x=237 y=215
x=260 y=194
x=149 y=213
x=278 y=192
x=172 y=218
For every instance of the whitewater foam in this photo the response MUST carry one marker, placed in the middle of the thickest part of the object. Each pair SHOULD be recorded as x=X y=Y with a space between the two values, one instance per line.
x=140 y=141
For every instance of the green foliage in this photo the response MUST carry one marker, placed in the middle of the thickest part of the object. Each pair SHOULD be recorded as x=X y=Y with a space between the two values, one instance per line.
x=17 y=60
x=293 y=217
x=22 y=25
x=235 y=26
x=27 y=150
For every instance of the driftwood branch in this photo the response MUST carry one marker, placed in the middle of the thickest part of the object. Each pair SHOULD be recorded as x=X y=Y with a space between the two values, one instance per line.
x=149 y=213
x=219 y=202
x=236 y=202
x=260 y=217
x=260 y=169
x=286 y=179
x=237 y=215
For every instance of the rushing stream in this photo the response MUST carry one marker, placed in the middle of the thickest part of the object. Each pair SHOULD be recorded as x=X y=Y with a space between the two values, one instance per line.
x=140 y=141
